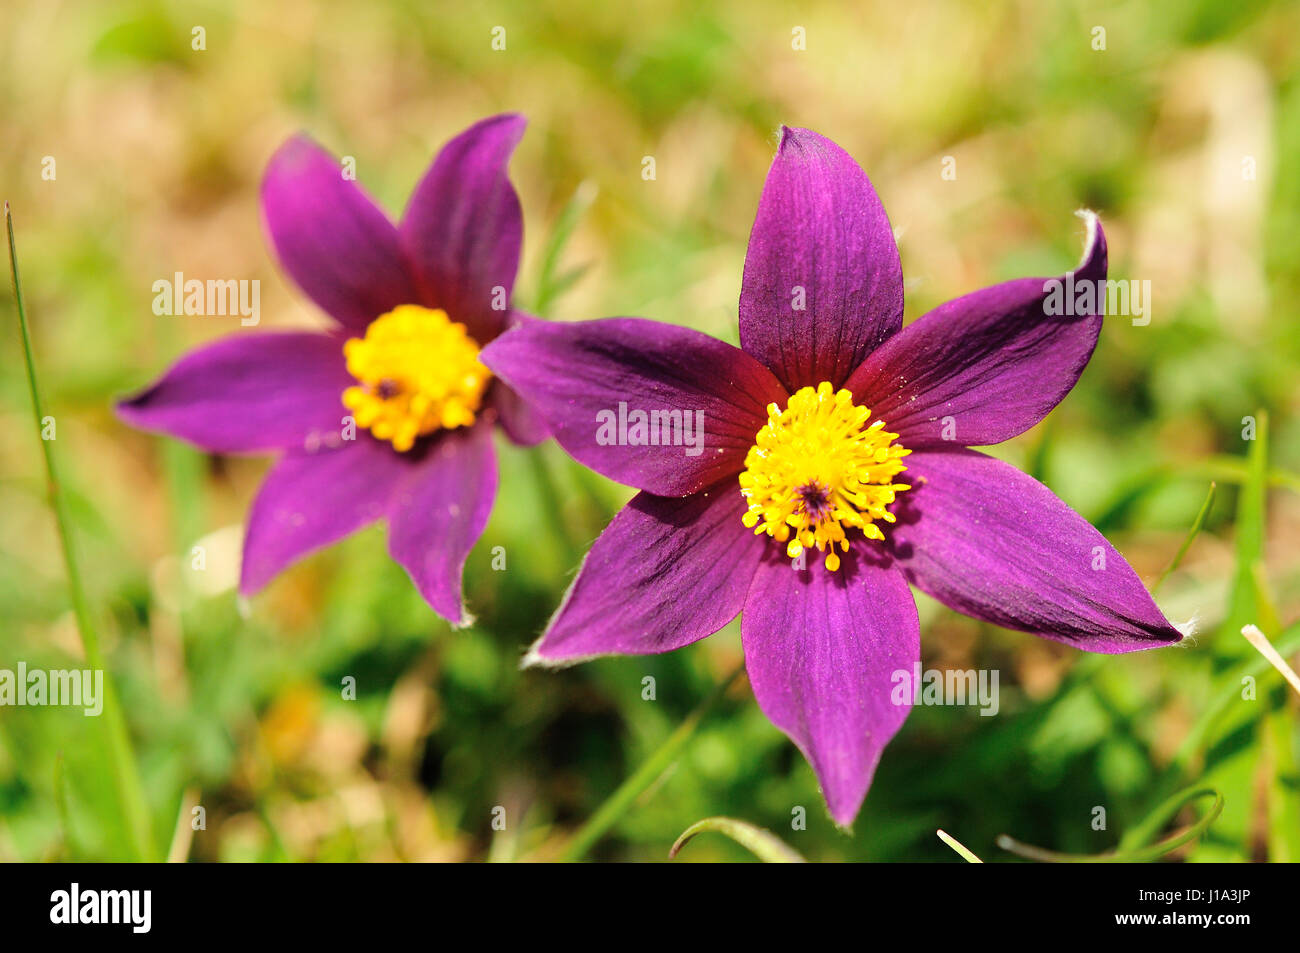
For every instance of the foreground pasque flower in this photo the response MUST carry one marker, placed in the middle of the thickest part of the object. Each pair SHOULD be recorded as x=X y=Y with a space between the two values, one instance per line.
x=390 y=415
x=835 y=434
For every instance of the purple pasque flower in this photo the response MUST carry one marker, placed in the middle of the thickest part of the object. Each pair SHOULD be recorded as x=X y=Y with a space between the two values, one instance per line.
x=389 y=415
x=792 y=460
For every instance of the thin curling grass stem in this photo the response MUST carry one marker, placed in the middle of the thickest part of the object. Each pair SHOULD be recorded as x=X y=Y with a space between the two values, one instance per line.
x=763 y=844
x=125 y=777
x=618 y=803
x=1138 y=855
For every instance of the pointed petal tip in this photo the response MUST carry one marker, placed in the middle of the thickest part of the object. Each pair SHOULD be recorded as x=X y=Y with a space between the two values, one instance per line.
x=1094 y=246
x=516 y=119
x=248 y=585
x=124 y=408
x=446 y=605
x=796 y=140
x=466 y=620
x=506 y=129
x=512 y=124
x=297 y=149
x=534 y=658
x=132 y=409
x=844 y=816
x=1187 y=631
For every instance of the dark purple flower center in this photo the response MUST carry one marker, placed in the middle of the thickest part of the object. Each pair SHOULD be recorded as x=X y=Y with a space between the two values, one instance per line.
x=387 y=389
x=813 y=499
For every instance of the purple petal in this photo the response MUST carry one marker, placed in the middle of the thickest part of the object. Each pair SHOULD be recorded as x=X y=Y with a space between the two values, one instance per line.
x=589 y=379
x=820 y=228
x=310 y=500
x=985 y=367
x=246 y=393
x=993 y=543
x=665 y=573
x=823 y=650
x=462 y=229
x=331 y=238
x=521 y=422
x=439 y=512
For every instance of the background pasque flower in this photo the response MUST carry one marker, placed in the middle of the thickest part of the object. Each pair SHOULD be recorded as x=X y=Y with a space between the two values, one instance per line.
x=398 y=293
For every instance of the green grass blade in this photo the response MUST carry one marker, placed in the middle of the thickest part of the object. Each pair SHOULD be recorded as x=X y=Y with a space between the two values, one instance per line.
x=70 y=851
x=626 y=794
x=763 y=844
x=550 y=283
x=1197 y=525
x=1137 y=855
x=1234 y=768
x=1244 y=603
x=126 y=780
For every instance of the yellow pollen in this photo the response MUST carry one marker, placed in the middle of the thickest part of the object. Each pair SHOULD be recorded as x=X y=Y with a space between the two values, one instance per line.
x=819 y=468
x=418 y=370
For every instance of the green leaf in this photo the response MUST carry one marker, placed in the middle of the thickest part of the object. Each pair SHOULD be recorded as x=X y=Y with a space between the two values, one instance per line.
x=1232 y=764
x=1283 y=787
x=124 y=774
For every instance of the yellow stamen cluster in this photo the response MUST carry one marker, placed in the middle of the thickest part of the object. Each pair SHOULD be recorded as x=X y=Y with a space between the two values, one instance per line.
x=418 y=370
x=817 y=469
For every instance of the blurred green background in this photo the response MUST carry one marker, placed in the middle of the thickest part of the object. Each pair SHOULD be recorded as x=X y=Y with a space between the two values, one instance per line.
x=1178 y=132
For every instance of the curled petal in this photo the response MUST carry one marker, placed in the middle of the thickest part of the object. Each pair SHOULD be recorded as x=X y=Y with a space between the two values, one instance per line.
x=988 y=366
x=665 y=573
x=824 y=652
x=823 y=284
x=995 y=544
x=656 y=406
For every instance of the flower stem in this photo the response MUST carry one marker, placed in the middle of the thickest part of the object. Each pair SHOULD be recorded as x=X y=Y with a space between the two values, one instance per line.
x=126 y=779
x=626 y=793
